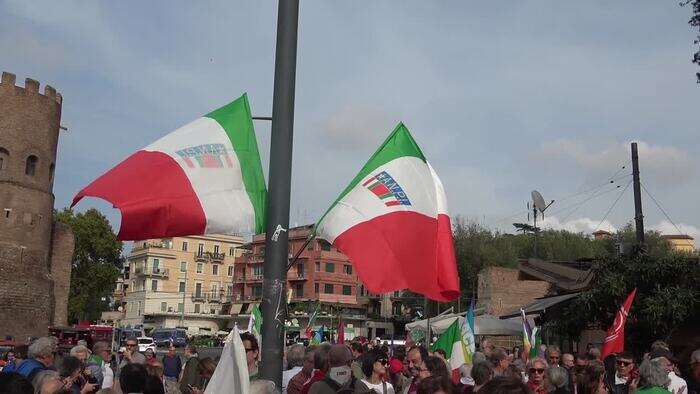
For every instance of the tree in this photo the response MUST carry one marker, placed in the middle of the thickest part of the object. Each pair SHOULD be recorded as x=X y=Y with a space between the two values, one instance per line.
x=668 y=293
x=695 y=22
x=96 y=263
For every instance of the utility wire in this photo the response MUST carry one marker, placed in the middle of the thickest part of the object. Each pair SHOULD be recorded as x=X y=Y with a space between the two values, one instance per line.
x=658 y=205
x=613 y=206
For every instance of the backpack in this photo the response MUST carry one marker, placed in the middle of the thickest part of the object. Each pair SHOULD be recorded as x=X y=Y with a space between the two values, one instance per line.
x=348 y=389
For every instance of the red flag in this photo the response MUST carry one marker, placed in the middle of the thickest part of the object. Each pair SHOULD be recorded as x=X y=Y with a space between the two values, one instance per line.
x=341 y=330
x=615 y=340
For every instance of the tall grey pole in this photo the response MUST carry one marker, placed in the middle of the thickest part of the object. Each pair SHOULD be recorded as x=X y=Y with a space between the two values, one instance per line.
x=182 y=312
x=638 y=216
x=276 y=247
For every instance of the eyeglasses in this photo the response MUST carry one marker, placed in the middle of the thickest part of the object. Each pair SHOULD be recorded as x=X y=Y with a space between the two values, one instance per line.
x=624 y=363
x=537 y=370
x=383 y=361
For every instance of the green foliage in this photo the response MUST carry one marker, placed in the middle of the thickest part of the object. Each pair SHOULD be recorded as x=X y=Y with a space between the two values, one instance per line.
x=668 y=294
x=478 y=247
x=96 y=263
x=695 y=22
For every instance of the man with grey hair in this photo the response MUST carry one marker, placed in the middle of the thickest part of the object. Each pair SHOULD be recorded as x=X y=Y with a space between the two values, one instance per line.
x=339 y=376
x=553 y=356
x=663 y=356
x=41 y=356
x=295 y=362
x=100 y=358
x=499 y=360
x=653 y=378
x=556 y=380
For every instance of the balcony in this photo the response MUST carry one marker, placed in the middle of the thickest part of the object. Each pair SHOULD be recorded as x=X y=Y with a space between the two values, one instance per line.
x=254 y=278
x=199 y=297
x=215 y=297
x=153 y=272
x=297 y=277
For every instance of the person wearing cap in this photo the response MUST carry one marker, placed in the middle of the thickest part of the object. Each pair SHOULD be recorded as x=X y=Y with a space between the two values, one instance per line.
x=664 y=356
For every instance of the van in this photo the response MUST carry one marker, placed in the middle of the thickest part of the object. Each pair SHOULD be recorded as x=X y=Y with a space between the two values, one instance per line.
x=163 y=337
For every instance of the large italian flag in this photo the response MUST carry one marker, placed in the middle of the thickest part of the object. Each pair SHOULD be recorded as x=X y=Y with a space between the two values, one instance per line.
x=392 y=223
x=202 y=178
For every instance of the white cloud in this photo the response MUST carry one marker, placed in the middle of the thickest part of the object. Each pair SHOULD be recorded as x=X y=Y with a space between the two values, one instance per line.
x=579 y=225
x=667 y=228
x=660 y=165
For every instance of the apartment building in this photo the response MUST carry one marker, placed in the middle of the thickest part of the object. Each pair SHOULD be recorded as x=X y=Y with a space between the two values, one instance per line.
x=321 y=273
x=180 y=282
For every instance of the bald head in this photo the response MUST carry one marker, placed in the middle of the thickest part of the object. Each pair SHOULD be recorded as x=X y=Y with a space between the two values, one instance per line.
x=339 y=355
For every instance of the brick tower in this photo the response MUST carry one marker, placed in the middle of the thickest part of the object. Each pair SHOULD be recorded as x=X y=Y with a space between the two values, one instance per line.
x=35 y=252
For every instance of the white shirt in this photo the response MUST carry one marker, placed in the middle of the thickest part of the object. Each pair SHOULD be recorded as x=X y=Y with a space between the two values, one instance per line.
x=379 y=388
x=287 y=376
x=619 y=379
x=107 y=376
x=677 y=385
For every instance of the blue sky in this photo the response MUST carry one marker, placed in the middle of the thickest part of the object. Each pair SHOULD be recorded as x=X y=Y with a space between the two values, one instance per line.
x=503 y=98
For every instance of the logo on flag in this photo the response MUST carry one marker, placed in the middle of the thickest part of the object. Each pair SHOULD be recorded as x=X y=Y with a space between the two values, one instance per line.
x=206 y=156
x=387 y=189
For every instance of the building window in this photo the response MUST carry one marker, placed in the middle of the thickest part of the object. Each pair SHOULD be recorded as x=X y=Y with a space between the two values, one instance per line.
x=8 y=211
x=257 y=291
x=156 y=264
x=183 y=266
x=318 y=266
x=330 y=267
x=299 y=290
x=300 y=270
x=232 y=251
x=216 y=249
x=200 y=249
x=30 y=168
x=180 y=307
x=215 y=269
x=316 y=288
x=154 y=285
x=311 y=246
x=328 y=288
x=348 y=269
x=184 y=246
x=52 y=169
x=196 y=308
x=4 y=157
x=198 y=290
x=163 y=306
x=181 y=288
x=229 y=290
x=199 y=268
x=258 y=271
x=325 y=246
x=230 y=270
x=214 y=289
x=347 y=290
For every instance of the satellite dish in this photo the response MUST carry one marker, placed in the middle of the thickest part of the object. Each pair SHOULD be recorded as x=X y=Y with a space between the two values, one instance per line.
x=538 y=201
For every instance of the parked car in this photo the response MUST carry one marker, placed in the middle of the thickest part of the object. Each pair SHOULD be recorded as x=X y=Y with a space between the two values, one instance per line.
x=163 y=337
x=146 y=343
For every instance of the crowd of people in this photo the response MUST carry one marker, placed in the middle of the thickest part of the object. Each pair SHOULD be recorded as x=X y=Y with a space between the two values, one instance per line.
x=41 y=368
x=354 y=367
x=376 y=368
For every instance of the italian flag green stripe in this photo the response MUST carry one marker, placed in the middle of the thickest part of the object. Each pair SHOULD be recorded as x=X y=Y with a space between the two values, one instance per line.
x=400 y=143
x=239 y=128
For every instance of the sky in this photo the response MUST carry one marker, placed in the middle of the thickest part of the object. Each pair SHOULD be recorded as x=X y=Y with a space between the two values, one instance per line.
x=502 y=98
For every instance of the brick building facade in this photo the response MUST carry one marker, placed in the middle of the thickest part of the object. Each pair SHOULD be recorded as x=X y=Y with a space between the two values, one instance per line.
x=501 y=290
x=321 y=273
x=35 y=252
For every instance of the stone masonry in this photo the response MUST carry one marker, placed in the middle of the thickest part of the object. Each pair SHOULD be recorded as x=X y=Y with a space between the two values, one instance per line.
x=35 y=253
x=500 y=290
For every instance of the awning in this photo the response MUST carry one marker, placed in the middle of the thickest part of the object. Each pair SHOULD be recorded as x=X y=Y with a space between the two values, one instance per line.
x=236 y=309
x=483 y=325
x=540 y=305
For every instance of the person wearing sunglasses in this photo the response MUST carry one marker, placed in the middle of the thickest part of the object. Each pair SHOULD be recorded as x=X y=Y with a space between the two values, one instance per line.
x=535 y=375
x=131 y=353
x=624 y=373
x=374 y=367
x=250 y=343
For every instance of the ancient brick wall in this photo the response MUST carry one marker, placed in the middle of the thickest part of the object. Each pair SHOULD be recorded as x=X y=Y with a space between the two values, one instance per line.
x=29 y=127
x=500 y=291
x=63 y=244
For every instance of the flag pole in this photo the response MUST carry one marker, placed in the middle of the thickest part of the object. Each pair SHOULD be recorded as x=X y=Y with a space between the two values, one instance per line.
x=276 y=235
